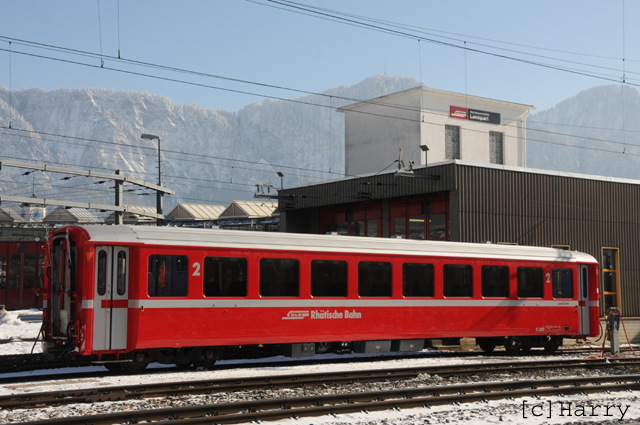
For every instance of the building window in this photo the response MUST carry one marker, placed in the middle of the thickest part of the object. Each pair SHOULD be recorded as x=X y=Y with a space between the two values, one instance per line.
x=530 y=282
x=224 y=277
x=167 y=275
x=496 y=148
x=457 y=280
x=372 y=228
x=495 y=281
x=452 y=142
x=399 y=227
x=437 y=226
x=610 y=278
x=328 y=278
x=417 y=280
x=416 y=227
x=374 y=279
x=279 y=277
x=562 y=282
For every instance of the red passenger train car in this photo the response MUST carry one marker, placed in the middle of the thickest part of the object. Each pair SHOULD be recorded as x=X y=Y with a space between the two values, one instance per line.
x=134 y=295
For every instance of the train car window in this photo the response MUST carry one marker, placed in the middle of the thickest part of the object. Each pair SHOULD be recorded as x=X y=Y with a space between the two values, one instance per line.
x=168 y=275
x=122 y=273
x=417 y=280
x=102 y=272
x=457 y=280
x=279 y=277
x=530 y=282
x=562 y=283
x=328 y=278
x=374 y=279
x=225 y=277
x=495 y=281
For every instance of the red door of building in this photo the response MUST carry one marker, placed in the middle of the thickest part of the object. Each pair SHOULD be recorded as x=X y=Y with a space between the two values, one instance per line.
x=24 y=272
x=3 y=274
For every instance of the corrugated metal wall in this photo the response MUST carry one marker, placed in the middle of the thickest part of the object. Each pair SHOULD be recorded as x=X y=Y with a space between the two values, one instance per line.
x=375 y=187
x=542 y=210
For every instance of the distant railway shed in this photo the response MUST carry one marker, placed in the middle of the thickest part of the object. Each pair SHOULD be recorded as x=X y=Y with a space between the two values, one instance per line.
x=481 y=202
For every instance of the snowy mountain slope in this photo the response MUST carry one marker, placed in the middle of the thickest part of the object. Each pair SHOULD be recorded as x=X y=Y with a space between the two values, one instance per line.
x=216 y=156
x=584 y=134
x=209 y=156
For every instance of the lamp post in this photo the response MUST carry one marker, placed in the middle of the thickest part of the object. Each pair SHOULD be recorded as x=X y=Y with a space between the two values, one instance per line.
x=425 y=149
x=158 y=193
x=281 y=180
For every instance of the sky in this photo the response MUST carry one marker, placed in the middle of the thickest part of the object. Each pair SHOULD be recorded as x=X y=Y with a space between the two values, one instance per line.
x=301 y=48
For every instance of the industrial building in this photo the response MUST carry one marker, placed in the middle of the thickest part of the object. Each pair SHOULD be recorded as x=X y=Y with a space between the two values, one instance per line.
x=470 y=194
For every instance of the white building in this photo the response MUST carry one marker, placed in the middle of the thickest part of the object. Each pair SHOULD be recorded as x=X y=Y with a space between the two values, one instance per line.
x=451 y=125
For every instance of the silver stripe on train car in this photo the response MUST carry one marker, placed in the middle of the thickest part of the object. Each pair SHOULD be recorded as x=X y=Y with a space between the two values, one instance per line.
x=219 y=303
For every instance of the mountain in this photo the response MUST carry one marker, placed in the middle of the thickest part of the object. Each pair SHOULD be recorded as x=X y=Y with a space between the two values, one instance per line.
x=216 y=156
x=208 y=156
x=587 y=134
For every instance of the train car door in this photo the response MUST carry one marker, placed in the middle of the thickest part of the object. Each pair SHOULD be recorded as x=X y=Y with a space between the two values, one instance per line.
x=111 y=298
x=584 y=300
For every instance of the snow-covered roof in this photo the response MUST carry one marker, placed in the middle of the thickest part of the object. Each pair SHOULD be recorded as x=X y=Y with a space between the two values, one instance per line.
x=134 y=214
x=249 y=209
x=7 y=215
x=70 y=215
x=196 y=212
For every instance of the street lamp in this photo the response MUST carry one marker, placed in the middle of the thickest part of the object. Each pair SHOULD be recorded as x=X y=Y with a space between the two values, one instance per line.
x=281 y=180
x=425 y=149
x=158 y=193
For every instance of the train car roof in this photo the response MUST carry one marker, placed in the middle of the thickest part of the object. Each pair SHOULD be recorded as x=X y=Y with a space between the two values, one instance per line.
x=189 y=237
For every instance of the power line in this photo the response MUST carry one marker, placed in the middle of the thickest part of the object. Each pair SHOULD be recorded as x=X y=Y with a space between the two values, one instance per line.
x=353 y=22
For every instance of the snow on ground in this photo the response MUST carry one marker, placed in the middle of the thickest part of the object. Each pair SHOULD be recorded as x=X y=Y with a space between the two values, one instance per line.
x=14 y=328
x=546 y=410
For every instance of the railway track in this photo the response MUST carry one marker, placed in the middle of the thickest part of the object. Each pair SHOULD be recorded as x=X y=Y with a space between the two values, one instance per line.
x=29 y=362
x=275 y=409
x=130 y=392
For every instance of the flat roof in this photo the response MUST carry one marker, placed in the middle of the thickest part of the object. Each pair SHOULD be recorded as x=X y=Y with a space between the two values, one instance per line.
x=485 y=165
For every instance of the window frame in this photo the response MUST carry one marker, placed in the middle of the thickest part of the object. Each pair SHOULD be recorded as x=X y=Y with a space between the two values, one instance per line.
x=389 y=282
x=446 y=286
x=482 y=281
x=428 y=266
x=542 y=285
x=205 y=285
x=263 y=283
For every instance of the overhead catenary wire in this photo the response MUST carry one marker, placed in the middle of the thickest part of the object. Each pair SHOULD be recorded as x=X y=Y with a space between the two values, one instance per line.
x=431 y=30
x=375 y=101
x=361 y=24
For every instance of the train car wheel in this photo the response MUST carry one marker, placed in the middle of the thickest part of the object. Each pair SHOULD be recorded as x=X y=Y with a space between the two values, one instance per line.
x=183 y=366
x=206 y=358
x=134 y=367
x=513 y=345
x=113 y=367
x=486 y=345
x=551 y=344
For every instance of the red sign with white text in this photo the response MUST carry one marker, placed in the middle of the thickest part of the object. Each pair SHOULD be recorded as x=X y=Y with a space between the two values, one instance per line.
x=458 y=112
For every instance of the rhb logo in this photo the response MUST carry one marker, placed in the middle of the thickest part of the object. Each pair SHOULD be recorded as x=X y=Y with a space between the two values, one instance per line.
x=300 y=314
x=458 y=112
